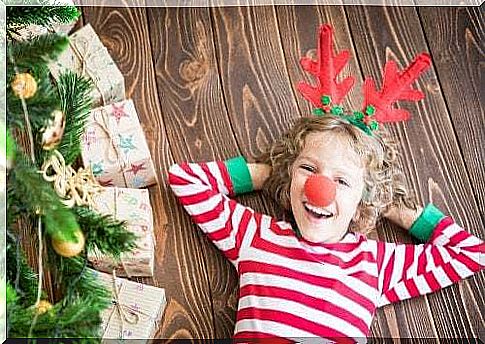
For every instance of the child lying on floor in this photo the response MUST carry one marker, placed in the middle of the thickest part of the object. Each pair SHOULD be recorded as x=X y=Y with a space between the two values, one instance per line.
x=336 y=173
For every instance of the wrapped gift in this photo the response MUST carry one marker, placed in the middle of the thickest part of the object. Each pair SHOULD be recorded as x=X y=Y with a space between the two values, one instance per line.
x=132 y=206
x=87 y=56
x=135 y=311
x=114 y=145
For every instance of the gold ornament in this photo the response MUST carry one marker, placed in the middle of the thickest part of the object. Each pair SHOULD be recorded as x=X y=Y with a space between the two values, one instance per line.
x=43 y=306
x=53 y=133
x=24 y=85
x=69 y=249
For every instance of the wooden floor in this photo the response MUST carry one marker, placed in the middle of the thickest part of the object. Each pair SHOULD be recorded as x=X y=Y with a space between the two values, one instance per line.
x=212 y=83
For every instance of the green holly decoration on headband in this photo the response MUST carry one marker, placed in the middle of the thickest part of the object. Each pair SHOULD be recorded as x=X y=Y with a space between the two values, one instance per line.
x=364 y=121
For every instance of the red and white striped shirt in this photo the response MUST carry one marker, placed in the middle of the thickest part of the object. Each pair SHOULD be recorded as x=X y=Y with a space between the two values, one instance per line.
x=291 y=288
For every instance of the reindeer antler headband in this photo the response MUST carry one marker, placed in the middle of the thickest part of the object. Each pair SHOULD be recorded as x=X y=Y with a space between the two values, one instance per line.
x=378 y=105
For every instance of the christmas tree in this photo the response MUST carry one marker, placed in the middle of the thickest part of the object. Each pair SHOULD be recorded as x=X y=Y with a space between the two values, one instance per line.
x=44 y=124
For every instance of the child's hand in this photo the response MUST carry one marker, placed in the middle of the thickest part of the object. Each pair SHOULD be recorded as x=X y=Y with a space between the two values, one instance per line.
x=403 y=216
x=259 y=174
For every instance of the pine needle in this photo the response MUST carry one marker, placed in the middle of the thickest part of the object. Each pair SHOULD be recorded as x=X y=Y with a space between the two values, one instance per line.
x=59 y=221
x=20 y=16
x=104 y=233
x=74 y=92
x=41 y=49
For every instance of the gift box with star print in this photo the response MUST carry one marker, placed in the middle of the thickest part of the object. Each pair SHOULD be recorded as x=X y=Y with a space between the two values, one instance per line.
x=135 y=311
x=133 y=207
x=87 y=56
x=114 y=146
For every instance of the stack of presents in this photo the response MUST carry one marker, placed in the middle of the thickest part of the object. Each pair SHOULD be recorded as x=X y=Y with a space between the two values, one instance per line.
x=115 y=148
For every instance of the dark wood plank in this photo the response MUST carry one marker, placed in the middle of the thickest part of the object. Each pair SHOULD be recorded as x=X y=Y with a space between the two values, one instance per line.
x=259 y=98
x=455 y=37
x=180 y=262
x=198 y=129
x=299 y=34
x=431 y=156
x=257 y=90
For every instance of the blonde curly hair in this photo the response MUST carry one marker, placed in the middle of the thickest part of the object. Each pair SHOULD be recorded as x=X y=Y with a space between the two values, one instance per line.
x=384 y=180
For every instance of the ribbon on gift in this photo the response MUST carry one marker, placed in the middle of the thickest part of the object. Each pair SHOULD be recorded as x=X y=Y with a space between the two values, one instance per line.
x=82 y=49
x=75 y=188
x=101 y=118
x=126 y=313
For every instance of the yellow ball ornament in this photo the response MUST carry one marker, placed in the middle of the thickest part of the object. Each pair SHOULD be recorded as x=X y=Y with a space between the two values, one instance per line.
x=24 y=85
x=43 y=306
x=69 y=249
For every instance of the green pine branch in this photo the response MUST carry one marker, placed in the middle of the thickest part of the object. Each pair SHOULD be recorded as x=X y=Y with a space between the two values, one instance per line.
x=15 y=206
x=32 y=57
x=59 y=221
x=78 y=319
x=20 y=16
x=76 y=315
x=75 y=278
x=75 y=94
x=39 y=107
x=41 y=49
x=104 y=233
x=19 y=273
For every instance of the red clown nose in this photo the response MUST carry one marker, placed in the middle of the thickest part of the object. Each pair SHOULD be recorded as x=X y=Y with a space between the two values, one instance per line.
x=319 y=190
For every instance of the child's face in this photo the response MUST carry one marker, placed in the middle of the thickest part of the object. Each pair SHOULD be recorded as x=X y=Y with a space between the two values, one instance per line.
x=330 y=155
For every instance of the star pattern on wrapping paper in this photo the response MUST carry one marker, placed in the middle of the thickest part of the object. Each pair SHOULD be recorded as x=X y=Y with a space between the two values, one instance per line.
x=135 y=217
x=135 y=168
x=144 y=207
x=136 y=307
x=118 y=112
x=138 y=181
x=128 y=198
x=126 y=143
x=89 y=138
x=127 y=333
x=97 y=168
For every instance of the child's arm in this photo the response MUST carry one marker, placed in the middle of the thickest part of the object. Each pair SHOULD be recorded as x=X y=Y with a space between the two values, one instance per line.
x=259 y=173
x=450 y=254
x=203 y=190
x=403 y=216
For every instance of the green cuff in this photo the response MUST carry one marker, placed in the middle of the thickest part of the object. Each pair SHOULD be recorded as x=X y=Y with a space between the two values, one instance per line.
x=240 y=176
x=425 y=224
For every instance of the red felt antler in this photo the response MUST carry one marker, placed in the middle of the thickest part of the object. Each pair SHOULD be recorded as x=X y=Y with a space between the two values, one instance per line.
x=326 y=69
x=396 y=86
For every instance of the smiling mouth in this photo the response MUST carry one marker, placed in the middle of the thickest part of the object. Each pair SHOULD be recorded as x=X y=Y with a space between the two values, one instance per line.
x=316 y=212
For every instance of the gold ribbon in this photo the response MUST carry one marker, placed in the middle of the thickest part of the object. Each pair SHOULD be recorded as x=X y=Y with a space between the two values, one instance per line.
x=101 y=117
x=75 y=188
x=126 y=313
x=82 y=50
